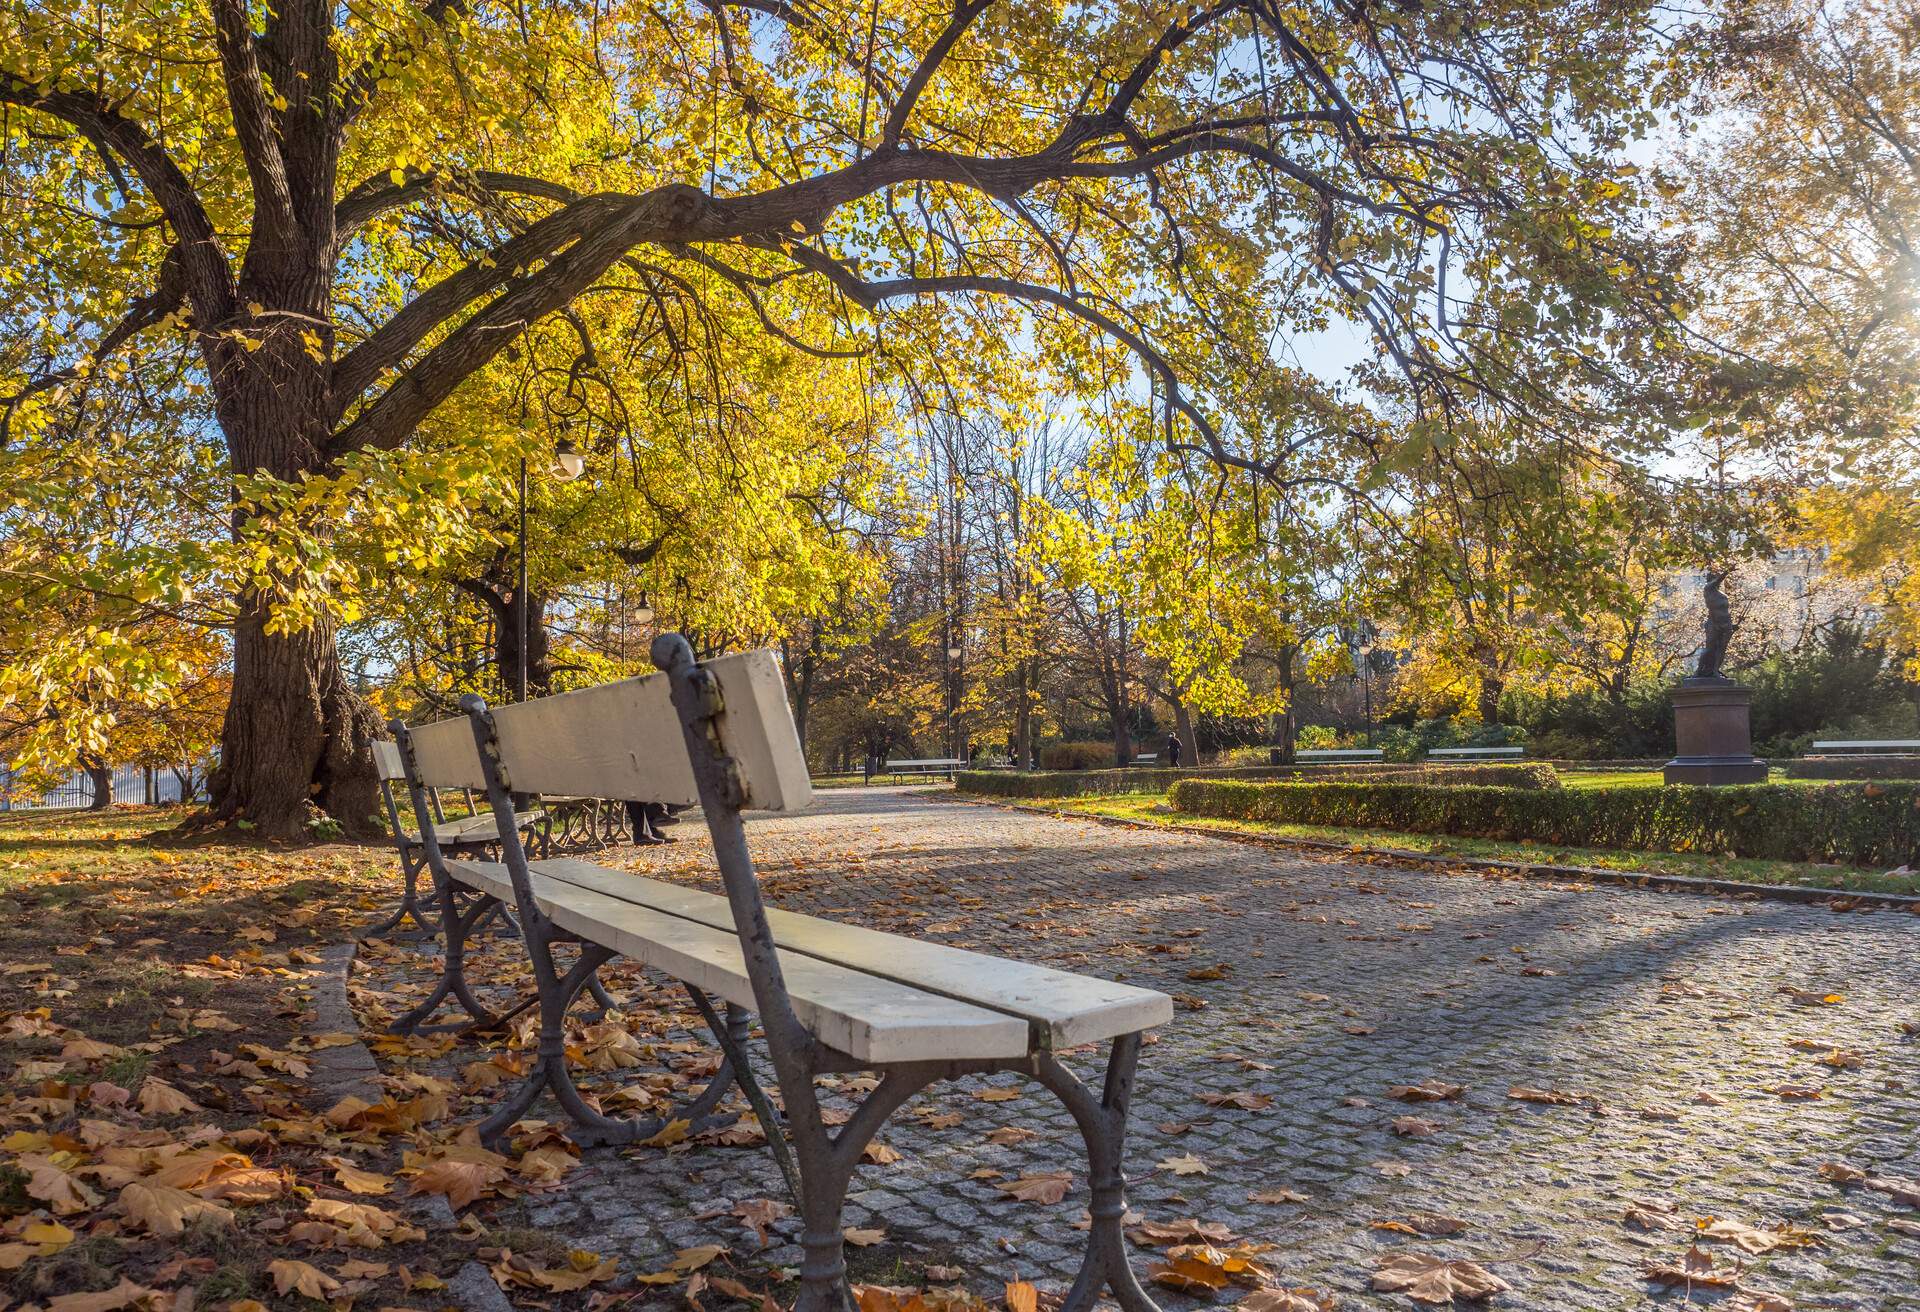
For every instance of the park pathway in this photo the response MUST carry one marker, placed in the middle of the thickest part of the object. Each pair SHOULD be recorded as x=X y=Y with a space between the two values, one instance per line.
x=1689 y=1029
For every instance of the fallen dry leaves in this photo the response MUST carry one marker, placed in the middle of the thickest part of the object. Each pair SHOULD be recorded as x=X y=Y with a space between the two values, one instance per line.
x=1428 y=1279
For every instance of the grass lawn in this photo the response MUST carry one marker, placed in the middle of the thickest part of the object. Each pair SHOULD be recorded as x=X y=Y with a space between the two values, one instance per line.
x=1805 y=874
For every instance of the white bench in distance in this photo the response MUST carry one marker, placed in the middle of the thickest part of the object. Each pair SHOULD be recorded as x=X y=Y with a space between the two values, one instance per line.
x=1147 y=758
x=1870 y=746
x=831 y=997
x=931 y=765
x=1310 y=754
x=1477 y=752
x=467 y=835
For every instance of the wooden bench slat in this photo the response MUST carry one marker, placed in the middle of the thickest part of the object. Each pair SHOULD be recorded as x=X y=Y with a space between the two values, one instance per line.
x=623 y=741
x=1063 y=1009
x=860 y=1014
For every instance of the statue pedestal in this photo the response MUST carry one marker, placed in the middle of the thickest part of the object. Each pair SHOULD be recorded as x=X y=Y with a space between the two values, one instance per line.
x=1713 y=729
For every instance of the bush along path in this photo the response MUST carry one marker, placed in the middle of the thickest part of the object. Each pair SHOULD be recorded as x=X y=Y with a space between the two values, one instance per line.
x=1870 y=824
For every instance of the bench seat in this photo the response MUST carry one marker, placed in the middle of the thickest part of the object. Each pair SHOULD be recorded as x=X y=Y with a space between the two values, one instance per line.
x=875 y=996
x=470 y=829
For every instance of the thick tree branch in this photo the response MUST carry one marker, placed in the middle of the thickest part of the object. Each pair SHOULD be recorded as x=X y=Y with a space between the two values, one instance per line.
x=208 y=280
x=253 y=122
x=380 y=193
x=963 y=15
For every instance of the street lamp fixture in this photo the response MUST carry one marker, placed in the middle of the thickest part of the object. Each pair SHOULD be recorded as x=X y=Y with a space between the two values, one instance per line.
x=954 y=653
x=569 y=461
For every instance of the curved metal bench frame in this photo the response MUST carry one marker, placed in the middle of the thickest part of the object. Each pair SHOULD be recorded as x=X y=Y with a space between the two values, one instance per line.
x=826 y=1160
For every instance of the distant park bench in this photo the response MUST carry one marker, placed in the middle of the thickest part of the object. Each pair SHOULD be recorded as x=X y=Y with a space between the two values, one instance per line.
x=1311 y=754
x=832 y=998
x=1870 y=746
x=1147 y=758
x=932 y=765
x=1477 y=752
x=469 y=835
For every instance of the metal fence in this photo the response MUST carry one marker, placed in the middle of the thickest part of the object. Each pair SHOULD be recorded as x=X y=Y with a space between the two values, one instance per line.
x=136 y=784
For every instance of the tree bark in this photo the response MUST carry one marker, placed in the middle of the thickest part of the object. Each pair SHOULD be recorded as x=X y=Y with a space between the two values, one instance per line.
x=1183 y=727
x=1491 y=687
x=297 y=737
x=100 y=780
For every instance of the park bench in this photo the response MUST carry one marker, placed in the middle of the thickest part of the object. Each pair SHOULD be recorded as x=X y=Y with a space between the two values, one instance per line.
x=932 y=765
x=1147 y=758
x=1870 y=746
x=831 y=997
x=466 y=835
x=1458 y=753
x=1309 y=754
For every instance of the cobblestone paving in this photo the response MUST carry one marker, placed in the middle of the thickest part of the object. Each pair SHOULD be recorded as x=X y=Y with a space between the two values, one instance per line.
x=1320 y=984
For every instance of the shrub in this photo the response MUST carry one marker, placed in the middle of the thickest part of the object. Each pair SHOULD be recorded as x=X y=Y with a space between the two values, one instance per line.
x=1076 y=756
x=1094 y=783
x=1867 y=824
x=1854 y=767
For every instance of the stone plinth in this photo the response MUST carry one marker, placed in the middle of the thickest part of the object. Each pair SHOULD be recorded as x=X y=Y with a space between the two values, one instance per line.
x=1713 y=729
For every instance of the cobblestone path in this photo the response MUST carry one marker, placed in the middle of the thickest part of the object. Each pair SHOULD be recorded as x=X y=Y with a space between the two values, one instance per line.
x=1320 y=984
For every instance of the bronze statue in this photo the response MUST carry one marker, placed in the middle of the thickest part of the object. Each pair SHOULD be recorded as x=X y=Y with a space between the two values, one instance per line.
x=1719 y=629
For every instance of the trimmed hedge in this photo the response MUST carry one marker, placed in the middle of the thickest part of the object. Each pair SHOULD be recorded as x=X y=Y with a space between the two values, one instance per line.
x=1866 y=825
x=1853 y=767
x=1096 y=783
x=1077 y=756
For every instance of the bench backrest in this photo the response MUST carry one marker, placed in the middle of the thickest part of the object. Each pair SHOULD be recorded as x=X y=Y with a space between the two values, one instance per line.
x=623 y=741
x=386 y=761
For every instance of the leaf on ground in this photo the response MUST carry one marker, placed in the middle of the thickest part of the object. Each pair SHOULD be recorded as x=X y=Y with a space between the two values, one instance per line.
x=879 y=1154
x=158 y=1098
x=1742 y=1236
x=1273 y=1196
x=1695 y=1267
x=1841 y=1173
x=1297 y=1299
x=1432 y=1224
x=1241 y=1098
x=49 y=1180
x=1428 y=1279
x=1414 y=1127
x=126 y=1294
x=167 y=1211
x=1648 y=1214
x=1205 y=1269
x=1022 y=1297
x=863 y=1238
x=460 y=1182
x=357 y=1181
x=1553 y=1097
x=1047 y=1187
x=759 y=1214
x=1427 y=1091
x=1185 y=1164
x=1188 y=1231
x=1813 y=997
x=291 y=1277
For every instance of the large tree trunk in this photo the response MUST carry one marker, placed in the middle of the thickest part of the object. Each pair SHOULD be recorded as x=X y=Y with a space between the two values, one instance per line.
x=1286 y=722
x=1491 y=688
x=100 y=780
x=296 y=735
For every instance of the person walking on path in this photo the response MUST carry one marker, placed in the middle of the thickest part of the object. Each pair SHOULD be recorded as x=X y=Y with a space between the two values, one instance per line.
x=1173 y=749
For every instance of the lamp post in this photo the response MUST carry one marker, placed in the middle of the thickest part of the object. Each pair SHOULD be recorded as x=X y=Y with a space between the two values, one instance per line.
x=568 y=464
